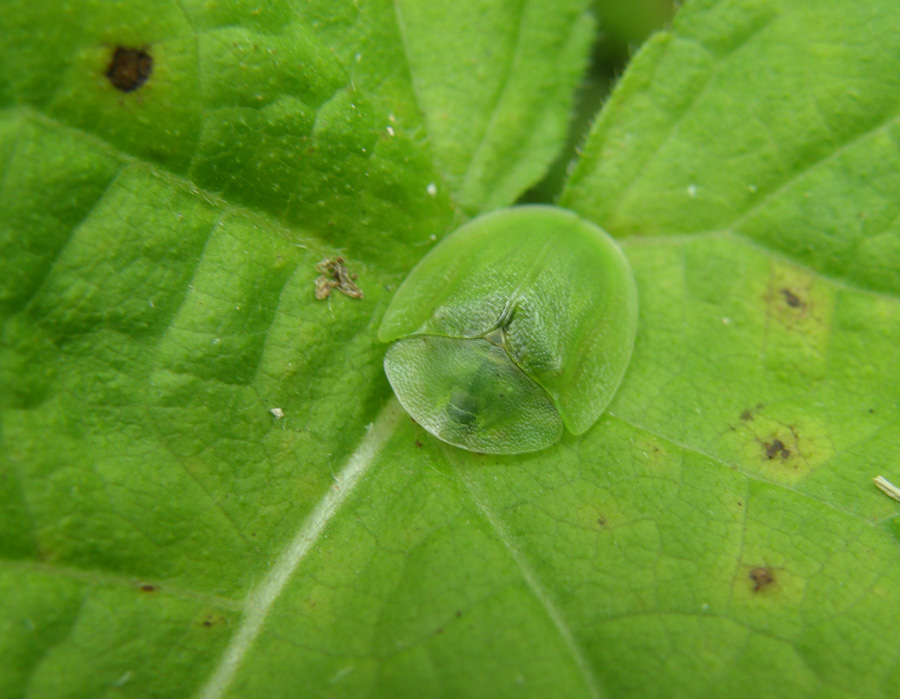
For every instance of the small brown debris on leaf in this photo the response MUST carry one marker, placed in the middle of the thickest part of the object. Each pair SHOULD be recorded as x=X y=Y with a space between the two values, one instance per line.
x=334 y=275
x=129 y=68
x=762 y=578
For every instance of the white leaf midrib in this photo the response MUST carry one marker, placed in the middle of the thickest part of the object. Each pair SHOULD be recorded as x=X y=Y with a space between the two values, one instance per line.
x=263 y=596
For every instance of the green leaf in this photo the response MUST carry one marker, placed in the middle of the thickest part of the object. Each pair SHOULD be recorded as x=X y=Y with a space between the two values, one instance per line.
x=791 y=146
x=206 y=487
x=749 y=162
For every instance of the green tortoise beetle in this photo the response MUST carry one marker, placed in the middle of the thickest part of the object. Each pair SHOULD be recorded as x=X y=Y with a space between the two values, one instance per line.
x=518 y=324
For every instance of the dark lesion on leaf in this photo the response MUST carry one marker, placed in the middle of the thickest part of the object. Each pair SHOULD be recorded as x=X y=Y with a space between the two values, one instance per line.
x=129 y=68
x=776 y=448
x=762 y=577
x=791 y=299
x=333 y=274
x=747 y=414
x=148 y=587
x=212 y=620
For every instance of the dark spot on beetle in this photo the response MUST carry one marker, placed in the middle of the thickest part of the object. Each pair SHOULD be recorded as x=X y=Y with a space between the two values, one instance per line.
x=746 y=416
x=762 y=577
x=148 y=587
x=791 y=299
x=129 y=68
x=775 y=448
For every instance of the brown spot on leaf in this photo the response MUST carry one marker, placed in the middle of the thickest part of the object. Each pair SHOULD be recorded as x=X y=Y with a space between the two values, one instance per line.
x=746 y=416
x=129 y=68
x=601 y=521
x=762 y=577
x=775 y=448
x=418 y=444
x=148 y=587
x=211 y=620
x=791 y=299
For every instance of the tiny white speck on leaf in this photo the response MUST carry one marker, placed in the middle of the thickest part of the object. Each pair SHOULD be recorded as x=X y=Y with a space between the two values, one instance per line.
x=216 y=340
x=692 y=191
x=432 y=237
x=277 y=413
x=358 y=57
x=431 y=188
x=751 y=187
x=726 y=321
x=390 y=130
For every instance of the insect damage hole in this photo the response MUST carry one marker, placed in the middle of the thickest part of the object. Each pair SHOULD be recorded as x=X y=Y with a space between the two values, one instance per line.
x=129 y=68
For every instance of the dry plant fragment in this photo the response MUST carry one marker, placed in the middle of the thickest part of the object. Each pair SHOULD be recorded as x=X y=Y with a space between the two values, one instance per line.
x=886 y=487
x=334 y=275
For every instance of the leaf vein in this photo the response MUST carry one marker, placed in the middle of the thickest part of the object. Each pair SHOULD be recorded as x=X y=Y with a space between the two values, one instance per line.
x=538 y=590
x=263 y=596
